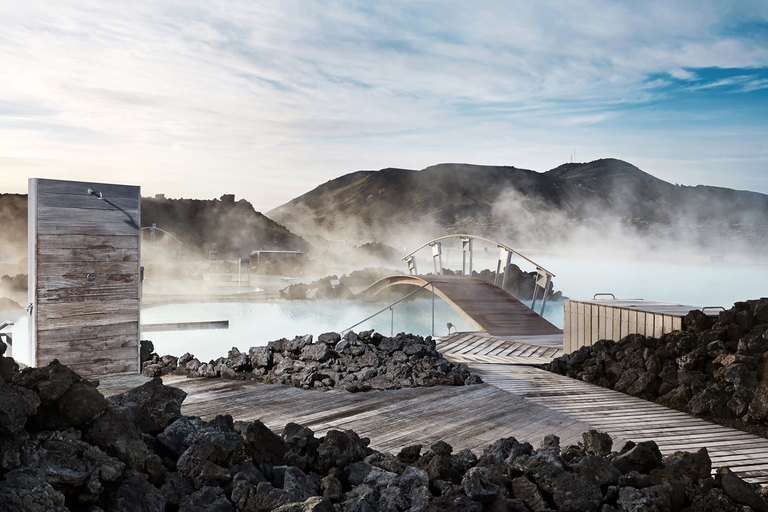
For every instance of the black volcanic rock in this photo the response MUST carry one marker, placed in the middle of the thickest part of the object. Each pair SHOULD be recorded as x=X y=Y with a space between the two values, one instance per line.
x=713 y=369
x=220 y=465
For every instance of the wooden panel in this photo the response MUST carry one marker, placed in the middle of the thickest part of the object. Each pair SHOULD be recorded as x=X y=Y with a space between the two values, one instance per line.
x=574 y=326
x=602 y=315
x=566 y=324
x=581 y=337
x=668 y=323
x=608 y=334
x=677 y=323
x=658 y=325
x=632 y=326
x=93 y=325
x=65 y=254
x=649 y=324
x=617 y=315
x=595 y=324
x=624 y=322
x=100 y=242
x=86 y=228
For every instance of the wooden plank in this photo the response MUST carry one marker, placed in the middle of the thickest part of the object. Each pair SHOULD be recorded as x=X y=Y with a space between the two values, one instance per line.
x=567 y=332
x=608 y=334
x=78 y=216
x=101 y=243
x=85 y=332
x=61 y=310
x=601 y=322
x=617 y=324
x=86 y=228
x=79 y=269
x=658 y=325
x=633 y=323
x=48 y=188
x=649 y=323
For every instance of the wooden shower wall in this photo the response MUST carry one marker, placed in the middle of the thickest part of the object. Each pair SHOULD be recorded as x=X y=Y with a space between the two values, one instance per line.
x=84 y=275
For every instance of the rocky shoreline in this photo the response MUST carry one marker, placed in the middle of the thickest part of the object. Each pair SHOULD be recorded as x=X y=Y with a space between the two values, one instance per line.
x=714 y=369
x=356 y=362
x=64 y=446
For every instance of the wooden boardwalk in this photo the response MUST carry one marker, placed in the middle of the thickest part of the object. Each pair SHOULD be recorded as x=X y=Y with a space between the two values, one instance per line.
x=484 y=306
x=482 y=348
x=516 y=400
x=463 y=416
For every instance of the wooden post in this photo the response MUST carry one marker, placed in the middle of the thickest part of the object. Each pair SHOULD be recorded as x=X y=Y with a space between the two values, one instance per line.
x=84 y=275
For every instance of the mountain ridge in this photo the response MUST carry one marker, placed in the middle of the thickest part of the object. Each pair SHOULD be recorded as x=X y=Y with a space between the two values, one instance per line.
x=507 y=202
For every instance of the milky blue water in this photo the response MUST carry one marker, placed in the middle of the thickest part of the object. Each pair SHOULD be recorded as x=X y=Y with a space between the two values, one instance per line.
x=256 y=323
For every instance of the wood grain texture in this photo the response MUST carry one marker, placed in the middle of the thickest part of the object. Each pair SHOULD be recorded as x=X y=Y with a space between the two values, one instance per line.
x=93 y=324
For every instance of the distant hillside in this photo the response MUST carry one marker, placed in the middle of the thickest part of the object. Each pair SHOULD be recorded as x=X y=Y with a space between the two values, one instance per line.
x=234 y=226
x=13 y=227
x=602 y=202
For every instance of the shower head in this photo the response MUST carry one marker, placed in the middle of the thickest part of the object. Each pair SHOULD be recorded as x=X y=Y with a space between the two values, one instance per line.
x=96 y=193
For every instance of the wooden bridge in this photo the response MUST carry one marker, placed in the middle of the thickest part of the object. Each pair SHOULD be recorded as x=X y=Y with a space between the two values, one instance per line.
x=485 y=307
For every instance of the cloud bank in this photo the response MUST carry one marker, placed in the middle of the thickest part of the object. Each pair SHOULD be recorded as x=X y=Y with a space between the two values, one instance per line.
x=268 y=99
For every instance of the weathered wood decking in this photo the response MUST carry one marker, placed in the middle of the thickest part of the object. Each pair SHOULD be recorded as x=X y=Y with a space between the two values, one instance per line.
x=517 y=400
x=484 y=306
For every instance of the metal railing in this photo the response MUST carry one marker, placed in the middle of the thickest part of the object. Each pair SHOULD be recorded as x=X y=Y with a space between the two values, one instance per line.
x=542 y=278
x=392 y=312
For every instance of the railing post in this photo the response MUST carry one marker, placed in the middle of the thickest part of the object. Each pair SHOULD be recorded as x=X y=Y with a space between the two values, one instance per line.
x=391 y=322
x=543 y=281
x=503 y=255
x=466 y=247
x=411 y=261
x=437 y=256
x=433 y=308
x=506 y=270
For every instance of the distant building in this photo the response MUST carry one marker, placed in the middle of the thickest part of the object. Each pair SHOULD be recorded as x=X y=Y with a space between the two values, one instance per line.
x=265 y=256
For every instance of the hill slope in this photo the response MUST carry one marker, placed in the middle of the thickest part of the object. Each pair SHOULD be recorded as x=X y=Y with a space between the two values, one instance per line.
x=234 y=226
x=575 y=203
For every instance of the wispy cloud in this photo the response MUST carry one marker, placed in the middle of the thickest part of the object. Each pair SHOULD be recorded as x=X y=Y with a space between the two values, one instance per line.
x=252 y=92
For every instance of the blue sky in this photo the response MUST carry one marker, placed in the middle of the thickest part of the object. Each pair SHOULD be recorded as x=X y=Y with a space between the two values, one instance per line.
x=268 y=99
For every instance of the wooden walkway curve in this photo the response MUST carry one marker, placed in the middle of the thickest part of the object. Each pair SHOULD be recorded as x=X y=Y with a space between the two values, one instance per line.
x=517 y=399
x=485 y=307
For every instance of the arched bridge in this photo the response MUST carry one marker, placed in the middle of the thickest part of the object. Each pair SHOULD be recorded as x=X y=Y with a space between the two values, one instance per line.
x=485 y=306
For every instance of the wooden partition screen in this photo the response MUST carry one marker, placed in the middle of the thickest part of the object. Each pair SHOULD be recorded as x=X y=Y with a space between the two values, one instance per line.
x=84 y=275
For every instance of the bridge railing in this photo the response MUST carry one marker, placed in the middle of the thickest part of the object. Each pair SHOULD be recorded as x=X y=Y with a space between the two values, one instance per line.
x=392 y=312
x=543 y=278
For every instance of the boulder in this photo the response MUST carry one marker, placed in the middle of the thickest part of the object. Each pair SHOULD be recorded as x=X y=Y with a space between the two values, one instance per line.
x=26 y=490
x=641 y=457
x=339 y=449
x=152 y=406
x=262 y=445
x=740 y=491
x=17 y=404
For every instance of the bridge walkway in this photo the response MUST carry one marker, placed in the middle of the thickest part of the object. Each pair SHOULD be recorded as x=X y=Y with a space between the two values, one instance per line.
x=484 y=306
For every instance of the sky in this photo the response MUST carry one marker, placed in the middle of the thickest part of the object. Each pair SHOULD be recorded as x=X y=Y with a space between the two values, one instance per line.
x=268 y=99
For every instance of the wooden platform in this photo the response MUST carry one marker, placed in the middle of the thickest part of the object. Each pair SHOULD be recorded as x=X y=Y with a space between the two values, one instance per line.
x=484 y=306
x=516 y=400
x=482 y=348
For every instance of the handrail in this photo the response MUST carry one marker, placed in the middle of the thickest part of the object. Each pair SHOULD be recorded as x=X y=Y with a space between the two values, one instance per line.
x=539 y=267
x=397 y=302
x=164 y=231
x=594 y=297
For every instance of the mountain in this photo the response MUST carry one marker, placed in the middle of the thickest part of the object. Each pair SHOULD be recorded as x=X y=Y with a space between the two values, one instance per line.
x=576 y=203
x=234 y=226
